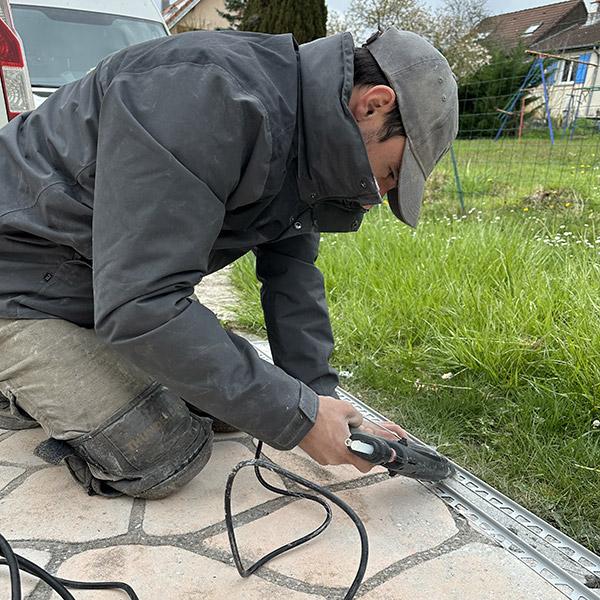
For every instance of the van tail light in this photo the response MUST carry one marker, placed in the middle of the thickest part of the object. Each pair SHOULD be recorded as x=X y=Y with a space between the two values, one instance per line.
x=14 y=77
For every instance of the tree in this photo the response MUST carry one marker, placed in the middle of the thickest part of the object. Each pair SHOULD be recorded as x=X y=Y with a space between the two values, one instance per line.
x=485 y=94
x=233 y=12
x=366 y=16
x=451 y=28
x=336 y=22
x=456 y=37
x=254 y=15
x=307 y=20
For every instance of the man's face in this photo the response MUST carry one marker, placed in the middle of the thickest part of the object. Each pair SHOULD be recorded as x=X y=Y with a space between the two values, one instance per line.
x=369 y=107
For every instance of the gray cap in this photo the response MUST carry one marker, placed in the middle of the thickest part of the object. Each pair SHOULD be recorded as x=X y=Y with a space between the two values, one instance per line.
x=427 y=98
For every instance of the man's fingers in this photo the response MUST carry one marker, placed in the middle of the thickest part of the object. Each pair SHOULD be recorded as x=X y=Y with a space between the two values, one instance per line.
x=353 y=417
x=364 y=466
x=388 y=432
x=395 y=428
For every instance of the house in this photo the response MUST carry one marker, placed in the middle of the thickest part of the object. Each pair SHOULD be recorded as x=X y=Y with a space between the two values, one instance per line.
x=190 y=15
x=529 y=26
x=575 y=81
x=568 y=39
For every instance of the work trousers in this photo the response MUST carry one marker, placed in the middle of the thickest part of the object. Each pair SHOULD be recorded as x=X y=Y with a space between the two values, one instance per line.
x=118 y=430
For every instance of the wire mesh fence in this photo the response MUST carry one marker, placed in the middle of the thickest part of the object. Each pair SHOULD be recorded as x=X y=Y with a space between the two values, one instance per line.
x=529 y=126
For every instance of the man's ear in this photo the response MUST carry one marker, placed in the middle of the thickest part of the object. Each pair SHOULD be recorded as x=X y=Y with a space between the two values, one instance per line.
x=369 y=102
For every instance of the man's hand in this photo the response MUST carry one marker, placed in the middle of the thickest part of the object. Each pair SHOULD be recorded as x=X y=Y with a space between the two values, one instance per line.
x=326 y=441
x=387 y=433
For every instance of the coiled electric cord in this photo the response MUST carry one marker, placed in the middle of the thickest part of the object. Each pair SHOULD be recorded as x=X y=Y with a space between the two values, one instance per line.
x=257 y=462
x=17 y=563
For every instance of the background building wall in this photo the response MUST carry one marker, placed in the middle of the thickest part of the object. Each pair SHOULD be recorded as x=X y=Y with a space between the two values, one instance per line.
x=203 y=16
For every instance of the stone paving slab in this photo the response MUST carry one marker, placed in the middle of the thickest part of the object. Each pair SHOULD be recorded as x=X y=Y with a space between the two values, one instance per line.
x=177 y=548
x=401 y=518
x=28 y=582
x=19 y=448
x=168 y=573
x=200 y=503
x=475 y=571
x=7 y=474
x=50 y=505
x=215 y=292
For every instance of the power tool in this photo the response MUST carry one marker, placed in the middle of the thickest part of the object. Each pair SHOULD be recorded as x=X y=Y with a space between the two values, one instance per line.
x=401 y=456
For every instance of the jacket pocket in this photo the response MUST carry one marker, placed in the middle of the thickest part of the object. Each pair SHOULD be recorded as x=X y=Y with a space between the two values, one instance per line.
x=66 y=293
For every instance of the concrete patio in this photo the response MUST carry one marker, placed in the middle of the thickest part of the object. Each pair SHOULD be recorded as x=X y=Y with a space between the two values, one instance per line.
x=178 y=547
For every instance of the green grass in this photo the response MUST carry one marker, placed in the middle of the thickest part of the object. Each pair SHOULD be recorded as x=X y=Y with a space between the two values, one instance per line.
x=509 y=170
x=481 y=334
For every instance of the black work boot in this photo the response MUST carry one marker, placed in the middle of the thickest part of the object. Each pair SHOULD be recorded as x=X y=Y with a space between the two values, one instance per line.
x=222 y=427
x=12 y=417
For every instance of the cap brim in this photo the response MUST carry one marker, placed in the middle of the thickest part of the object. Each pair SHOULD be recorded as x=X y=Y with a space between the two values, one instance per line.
x=406 y=199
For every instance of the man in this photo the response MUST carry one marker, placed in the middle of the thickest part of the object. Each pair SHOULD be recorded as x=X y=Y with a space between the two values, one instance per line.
x=169 y=161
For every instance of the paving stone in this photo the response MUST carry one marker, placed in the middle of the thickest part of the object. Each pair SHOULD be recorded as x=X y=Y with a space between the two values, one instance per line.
x=28 y=582
x=218 y=294
x=7 y=474
x=18 y=448
x=400 y=515
x=167 y=572
x=234 y=435
x=475 y=572
x=50 y=505
x=200 y=503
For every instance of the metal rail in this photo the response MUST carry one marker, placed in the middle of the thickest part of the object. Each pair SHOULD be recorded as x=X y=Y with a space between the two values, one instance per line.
x=558 y=559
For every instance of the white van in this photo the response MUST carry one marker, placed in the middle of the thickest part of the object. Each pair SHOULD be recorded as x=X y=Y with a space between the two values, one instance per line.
x=15 y=88
x=65 y=39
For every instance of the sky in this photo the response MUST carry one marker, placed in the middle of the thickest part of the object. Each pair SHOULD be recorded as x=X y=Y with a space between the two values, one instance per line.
x=494 y=6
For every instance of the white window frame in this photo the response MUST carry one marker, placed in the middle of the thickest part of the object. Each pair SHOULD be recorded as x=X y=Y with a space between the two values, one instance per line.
x=532 y=29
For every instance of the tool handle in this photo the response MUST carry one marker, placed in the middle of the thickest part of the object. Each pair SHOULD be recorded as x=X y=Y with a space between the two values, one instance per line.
x=411 y=459
x=369 y=447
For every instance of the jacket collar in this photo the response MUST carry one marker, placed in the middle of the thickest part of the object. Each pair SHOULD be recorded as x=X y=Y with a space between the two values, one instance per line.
x=333 y=167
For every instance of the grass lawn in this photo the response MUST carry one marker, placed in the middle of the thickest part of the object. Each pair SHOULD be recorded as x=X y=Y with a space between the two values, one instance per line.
x=509 y=170
x=481 y=332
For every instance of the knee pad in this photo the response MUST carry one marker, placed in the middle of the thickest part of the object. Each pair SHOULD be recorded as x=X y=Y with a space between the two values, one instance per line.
x=149 y=449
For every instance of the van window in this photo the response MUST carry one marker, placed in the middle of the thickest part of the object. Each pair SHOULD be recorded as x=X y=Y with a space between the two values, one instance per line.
x=62 y=45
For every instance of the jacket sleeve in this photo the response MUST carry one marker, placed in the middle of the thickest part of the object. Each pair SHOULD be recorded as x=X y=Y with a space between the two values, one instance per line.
x=295 y=309
x=169 y=156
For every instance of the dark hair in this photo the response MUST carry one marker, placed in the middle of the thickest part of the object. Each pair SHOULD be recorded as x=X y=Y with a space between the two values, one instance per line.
x=367 y=72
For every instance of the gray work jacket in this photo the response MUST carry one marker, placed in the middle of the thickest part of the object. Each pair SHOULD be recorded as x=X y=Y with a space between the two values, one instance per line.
x=170 y=160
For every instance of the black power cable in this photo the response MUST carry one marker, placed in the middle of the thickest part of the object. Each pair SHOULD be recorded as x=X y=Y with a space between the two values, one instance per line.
x=400 y=457
x=13 y=568
x=18 y=563
x=259 y=463
x=411 y=460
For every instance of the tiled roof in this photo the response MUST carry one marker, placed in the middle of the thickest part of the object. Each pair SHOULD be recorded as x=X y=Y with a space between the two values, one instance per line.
x=577 y=36
x=508 y=29
x=174 y=13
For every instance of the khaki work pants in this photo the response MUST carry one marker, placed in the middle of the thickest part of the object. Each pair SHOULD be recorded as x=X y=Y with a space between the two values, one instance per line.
x=121 y=431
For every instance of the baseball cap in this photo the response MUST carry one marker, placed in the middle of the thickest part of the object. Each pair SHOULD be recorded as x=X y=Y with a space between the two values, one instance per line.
x=427 y=97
